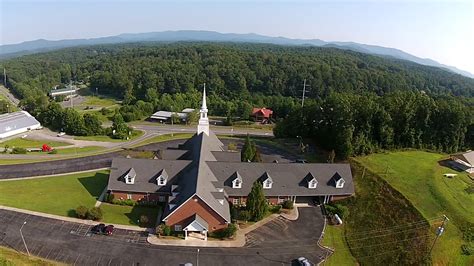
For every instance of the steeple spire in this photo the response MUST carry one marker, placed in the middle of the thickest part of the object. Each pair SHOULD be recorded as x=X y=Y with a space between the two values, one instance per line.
x=203 y=125
x=204 y=105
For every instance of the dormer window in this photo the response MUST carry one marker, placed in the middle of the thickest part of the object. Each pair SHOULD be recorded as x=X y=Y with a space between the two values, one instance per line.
x=130 y=176
x=313 y=183
x=340 y=183
x=162 y=178
x=237 y=182
x=267 y=181
x=338 y=180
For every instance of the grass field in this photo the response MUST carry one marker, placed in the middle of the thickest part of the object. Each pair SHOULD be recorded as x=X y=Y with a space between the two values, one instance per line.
x=98 y=101
x=128 y=215
x=419 y=177
x=58 y=195
x=135 y=134
x=334 y=238
x=10 y=257
x=31 y=143
x=79 y=150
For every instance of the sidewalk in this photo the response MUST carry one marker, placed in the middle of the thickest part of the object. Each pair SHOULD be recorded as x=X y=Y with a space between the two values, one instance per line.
x=71 y=219
x=238 y=241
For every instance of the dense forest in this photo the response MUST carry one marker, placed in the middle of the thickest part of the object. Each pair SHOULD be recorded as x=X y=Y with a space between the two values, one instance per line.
x=357 y=103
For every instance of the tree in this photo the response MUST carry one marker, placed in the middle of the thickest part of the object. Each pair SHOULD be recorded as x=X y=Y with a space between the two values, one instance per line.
x=248 y=151
x=256 y=203
x=92 y=124
x=120 y=127
x=332 y=156
x=192 y=117
x=81 y=212
x=95 y=214
x=175 y=118
x=257 y=157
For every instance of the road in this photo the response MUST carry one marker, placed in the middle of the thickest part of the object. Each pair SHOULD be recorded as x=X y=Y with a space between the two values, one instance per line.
x=279 y=242
x=218 y=130
x=5 y=92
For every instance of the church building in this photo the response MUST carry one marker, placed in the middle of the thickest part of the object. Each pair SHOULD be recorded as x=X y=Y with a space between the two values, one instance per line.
x=199 y=181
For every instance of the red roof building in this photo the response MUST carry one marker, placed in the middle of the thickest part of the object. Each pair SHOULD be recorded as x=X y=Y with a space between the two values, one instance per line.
x=261 y=114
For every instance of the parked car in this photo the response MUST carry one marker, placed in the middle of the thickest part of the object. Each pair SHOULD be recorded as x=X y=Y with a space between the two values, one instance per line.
x=98 y=229
x=304 y=262
x=108 y=230
x=60 y=134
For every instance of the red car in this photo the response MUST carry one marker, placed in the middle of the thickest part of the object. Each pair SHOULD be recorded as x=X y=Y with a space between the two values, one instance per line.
x=108 y=230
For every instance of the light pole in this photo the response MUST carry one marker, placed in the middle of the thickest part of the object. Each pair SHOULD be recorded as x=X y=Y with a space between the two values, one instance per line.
x=197 y=258
x=22 y=238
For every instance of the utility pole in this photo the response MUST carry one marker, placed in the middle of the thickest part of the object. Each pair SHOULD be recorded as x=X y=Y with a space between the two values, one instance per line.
x=22 y=238
x=439 y=232
x=304 y=92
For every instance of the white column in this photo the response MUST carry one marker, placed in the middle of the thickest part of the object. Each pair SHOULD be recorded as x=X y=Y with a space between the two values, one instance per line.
x=185 y=234
x=205 y=235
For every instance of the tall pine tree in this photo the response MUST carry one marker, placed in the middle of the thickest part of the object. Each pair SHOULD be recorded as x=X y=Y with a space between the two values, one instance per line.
x=256 y=202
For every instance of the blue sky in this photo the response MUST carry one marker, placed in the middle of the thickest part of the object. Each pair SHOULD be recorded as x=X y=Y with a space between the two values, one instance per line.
x=440 y=30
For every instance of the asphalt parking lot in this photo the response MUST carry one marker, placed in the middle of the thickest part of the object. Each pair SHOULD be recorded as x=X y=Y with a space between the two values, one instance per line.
x=279 y=242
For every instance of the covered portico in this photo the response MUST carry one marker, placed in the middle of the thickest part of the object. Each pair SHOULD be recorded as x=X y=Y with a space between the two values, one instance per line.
x=196 y=228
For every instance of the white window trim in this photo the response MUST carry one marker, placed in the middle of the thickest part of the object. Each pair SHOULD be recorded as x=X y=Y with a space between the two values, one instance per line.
x=178 y=227
x=161 y=181
x=236 y=201
x=340 y=183
x=129 y=196
x=267 y=184
x=312 y=183
x=237 y=183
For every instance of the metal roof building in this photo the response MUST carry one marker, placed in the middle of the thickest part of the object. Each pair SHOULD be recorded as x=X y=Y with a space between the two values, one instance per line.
x=16 y=123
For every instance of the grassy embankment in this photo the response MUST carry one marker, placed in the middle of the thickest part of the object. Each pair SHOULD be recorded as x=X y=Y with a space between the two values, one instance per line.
x=31 y=143
x=10 y=257
x=419 y=177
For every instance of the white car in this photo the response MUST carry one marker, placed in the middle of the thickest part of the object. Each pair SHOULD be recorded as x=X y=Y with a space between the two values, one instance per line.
x=60 y=134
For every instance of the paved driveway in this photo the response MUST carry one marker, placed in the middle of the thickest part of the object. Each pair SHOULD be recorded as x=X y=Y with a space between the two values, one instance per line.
x=276 y=243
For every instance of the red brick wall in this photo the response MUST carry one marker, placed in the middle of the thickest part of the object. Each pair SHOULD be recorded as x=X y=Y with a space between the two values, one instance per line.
x=196 y=206
x=137 y=196
x=271 y=200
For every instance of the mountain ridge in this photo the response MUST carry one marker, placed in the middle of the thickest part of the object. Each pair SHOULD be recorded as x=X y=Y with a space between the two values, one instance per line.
x=42 y=45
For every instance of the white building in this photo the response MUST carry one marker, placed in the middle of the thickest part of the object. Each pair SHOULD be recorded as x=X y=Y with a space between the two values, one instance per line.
x=164 y=116
x=17 y=123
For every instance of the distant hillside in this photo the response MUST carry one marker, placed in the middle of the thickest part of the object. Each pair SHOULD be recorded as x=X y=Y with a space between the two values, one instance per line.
x=41 y=45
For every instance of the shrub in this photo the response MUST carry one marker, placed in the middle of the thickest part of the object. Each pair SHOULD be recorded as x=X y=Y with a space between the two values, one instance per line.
x=81 y=212
x=110 y=198
x=275 y=209
x=287 y=204
x=227 y=232
x=94 y=214
x=127 y=202
x=340 y=210
x=144 y=220
x=244 y=215
x=18 y=150
x=163 y=230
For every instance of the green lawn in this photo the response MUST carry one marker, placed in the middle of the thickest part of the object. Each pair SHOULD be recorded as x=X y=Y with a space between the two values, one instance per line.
x=58 y=195
x=419 y=177
x=334 y=238
x=98 y=101
x=31 y=143
x=79 y=150
x=10 y=257
x=135 y=134
x=128 y=215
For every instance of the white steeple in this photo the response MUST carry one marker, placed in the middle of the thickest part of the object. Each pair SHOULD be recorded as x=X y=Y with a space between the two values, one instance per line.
x=203 y=125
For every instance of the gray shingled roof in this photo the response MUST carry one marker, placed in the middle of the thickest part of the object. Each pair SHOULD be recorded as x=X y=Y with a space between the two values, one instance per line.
x=199 y=220
x=288 y=178
x=199 y=179
x=146 y=173
x=16 y=120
